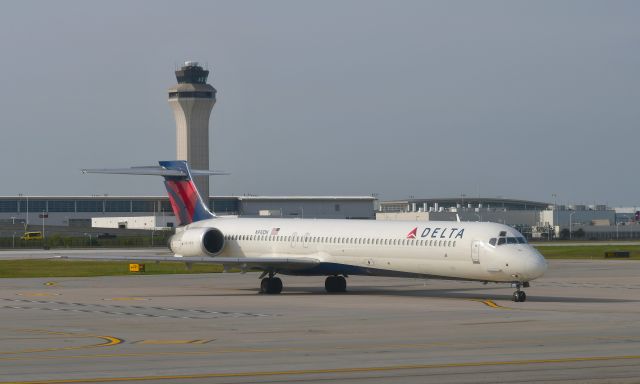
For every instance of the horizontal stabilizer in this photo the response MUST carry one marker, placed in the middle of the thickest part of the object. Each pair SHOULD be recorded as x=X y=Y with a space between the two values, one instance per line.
x=154 y=170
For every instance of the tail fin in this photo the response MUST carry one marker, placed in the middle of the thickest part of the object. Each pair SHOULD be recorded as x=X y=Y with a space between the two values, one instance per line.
x=185 y=200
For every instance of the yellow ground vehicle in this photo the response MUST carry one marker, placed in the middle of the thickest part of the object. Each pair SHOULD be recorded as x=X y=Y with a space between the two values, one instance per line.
x=32 y=236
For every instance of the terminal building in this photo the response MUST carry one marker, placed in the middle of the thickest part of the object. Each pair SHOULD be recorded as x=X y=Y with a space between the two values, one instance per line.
x=78 y=211
x=537 y=220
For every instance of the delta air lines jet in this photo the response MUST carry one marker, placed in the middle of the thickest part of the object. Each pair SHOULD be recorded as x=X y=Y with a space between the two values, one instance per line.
x=485 y=252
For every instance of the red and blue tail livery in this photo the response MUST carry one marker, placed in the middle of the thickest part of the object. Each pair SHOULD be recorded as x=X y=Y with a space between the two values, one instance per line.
x=185 y=200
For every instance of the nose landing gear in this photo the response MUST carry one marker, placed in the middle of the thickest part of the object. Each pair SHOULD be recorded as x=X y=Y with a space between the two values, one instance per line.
x=519 y=296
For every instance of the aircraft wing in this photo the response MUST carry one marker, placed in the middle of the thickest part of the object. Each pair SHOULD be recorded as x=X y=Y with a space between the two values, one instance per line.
x=244 y=263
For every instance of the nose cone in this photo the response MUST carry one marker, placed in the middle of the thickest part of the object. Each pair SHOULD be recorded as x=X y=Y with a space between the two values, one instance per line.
x=536 y=265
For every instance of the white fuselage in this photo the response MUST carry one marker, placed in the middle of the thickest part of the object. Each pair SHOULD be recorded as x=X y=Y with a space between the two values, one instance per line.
x=437 y=249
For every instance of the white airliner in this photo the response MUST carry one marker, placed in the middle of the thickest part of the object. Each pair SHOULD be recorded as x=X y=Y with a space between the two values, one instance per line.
x=485 y=252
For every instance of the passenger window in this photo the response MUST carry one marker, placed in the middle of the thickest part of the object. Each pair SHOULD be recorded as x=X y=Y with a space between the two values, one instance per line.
x=501 y=241
x=493 y=241
x=512 y=240
x=449 y=244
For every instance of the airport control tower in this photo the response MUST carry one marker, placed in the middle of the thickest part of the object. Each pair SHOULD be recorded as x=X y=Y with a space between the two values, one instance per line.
x=192 y=100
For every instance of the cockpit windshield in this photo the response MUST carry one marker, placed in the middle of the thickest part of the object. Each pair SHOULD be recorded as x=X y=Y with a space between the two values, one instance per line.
x=507 y=240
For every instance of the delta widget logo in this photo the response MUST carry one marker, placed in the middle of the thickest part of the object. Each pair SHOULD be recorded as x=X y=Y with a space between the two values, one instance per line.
x=413 y=233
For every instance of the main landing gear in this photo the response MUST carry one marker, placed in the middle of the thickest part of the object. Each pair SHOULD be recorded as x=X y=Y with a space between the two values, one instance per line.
x=519 y=296
x=335 y=284
x=271 y=285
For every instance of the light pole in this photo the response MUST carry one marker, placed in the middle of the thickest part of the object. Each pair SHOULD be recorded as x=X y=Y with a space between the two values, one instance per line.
x=88 y=234
x=26 y=220
x=13 y=240
x=43 y=217
x=555 y=209
x=617 y=233
x=570 y=224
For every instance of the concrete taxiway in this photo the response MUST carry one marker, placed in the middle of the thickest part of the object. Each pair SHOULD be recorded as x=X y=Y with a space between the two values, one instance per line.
x=581 y=323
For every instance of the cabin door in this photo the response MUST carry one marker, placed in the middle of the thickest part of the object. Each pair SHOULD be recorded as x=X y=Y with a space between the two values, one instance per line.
x=475 y=252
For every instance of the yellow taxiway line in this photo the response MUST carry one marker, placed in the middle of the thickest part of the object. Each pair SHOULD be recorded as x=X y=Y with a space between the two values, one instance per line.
x=109 y=341
x=490 y=303
x=329 y=370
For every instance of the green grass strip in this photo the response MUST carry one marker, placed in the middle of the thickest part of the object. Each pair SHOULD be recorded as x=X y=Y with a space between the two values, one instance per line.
x=588 y=251
x=76 y=268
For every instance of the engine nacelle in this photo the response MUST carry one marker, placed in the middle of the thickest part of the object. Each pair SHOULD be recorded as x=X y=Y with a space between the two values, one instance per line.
x=197 y=242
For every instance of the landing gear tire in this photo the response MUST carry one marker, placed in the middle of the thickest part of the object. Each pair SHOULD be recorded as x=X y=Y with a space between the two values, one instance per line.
x=271 y=285
x=335 y=284
x=519 y=296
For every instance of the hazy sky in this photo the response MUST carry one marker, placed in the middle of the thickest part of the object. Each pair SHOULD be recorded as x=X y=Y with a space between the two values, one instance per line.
x=519 y=99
